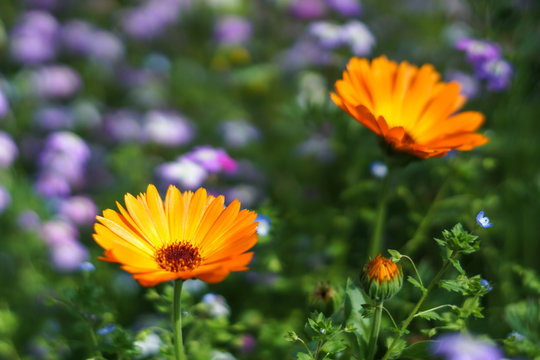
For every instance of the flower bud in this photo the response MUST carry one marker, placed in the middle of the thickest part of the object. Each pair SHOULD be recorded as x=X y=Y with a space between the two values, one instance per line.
x=381 y=278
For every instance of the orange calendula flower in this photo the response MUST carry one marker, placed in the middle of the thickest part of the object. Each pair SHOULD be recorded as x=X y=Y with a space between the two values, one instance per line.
x=191 y=235
x=381 y=278
x=408 y=107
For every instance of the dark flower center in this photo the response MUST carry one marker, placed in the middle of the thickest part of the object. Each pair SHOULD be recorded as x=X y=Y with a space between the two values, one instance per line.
x=179 y=256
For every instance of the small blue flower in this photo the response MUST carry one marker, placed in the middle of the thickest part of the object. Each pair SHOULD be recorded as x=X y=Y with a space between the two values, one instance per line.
x=265 y=223
x=378 y=169
x=106 y=330
x=483 y=221
x=486 y=284
x=86 y=267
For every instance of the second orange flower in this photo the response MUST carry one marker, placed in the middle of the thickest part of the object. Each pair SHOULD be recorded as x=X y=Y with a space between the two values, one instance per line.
x=408 y=107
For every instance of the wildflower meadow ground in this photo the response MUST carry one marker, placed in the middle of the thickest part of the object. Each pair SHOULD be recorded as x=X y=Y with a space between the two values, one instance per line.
x=269 y=179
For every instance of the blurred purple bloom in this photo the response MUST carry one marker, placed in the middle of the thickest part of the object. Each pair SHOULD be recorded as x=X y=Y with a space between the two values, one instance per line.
x=328 y=35
x=212 y=159
x=483 y=221
x=80 y=209
x=217 y=305
x=248 y=344
x=33 y=38
x=69 y=256
x=87 y=267
x=65 y=143
x=106 y=330
x=4 y=105
x=465 y=347
x=468 y=85
x=348 y=8
x=246 y=194
x=358 y=37
x=307 y=9
x=152 y=18
x=55 y=81
x=28 y=219
x=498 y=74
x=232 y=30
x=51 y=184
x=317 y=146
x=123 y=125
x=167 y=128
x=238 y=133
x=478 y=51
x=54 y=118
x=305 y=53
x=184 y=172
x=5 y=199
x=8 y=150
x=57 y=232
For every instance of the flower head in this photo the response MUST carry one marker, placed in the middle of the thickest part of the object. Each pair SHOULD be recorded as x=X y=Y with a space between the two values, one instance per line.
x=408 y=107
x=483 y=221
x=465 y=347
x=191 y=235
x=381 y=278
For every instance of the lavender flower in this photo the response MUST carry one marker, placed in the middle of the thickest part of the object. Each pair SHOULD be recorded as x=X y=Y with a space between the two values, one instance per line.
x=232 y=30
x=55 y=81
x=497 y=72
x=348 y=8
x=167 y=128
x=123 y=126
x=50 y=185
x=246 y=194
x=5 y=199
x=217 y=305
x=8 y=150
x=33 y=38
x=185 y=172
x=54 y=118
x=28 y=219
x=82 y=38
x=483 y=221
x=4 y=105
x=305 y=53
x=307 y=9
x=465 y=347
x=468 y=85
x=238 y=133
x=248 y=344
x=328 y=35
x=152 y=18
x=57 y=231
x=212 y=160
x=69 y=256
x=478 y=51
x=358 y=37
x=80 y=210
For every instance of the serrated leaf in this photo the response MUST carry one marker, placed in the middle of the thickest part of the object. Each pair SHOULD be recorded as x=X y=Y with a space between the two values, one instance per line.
x=429 y=332
x=442 y=243
x=451 y=285
x=416 y=283
x=429 y=315
x=397 y=349
x=455 y=262
x=419 y=350
x=303 y=356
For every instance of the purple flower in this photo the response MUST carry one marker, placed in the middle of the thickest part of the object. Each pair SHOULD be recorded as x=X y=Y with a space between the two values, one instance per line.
x=483 y=221
x=54 y=118
x=50 y=185
x=465 y=347
x=238 y=133
x=232 y=30
x=305 y=53
x=248 y=344
x=123 y=125
x=28 y=219
x=5 y=199
x=498 y=74
x=468 y=85
x=307 y=9
x=217 y=305
x=348 y=8
x=167 y=128
x=33 y=38
x=328 y=35
x=317 y=146
x=4 y=105
x=56 y=81
x=152 y=18
x=8 y=150
x=213 y=160
x=478 y=51
x=486 y=284
x=246 y=194
x=68 y=256
x=358 y=37
x=57 y=232
x=81 y=210
x=184 y=172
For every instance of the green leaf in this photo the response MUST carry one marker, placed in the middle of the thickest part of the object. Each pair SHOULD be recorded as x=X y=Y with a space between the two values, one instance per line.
x=398 y=348
x=452 y=285
x=429 y=332
x=396 y=256
x=430 y=315
x=419 y=350
x=457 y=265
x=291 y=336
x=416 y=283
x=303 y=356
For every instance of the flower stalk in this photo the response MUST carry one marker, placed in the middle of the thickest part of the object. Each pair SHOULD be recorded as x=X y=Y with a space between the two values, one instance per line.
x=419 y=303
x=376 y=237
x=177 y=321
x=375 y=329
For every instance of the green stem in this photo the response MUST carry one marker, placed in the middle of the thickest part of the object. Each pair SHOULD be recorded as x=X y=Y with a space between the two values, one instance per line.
x=418 y=304
x=433 y=309
x=375 y=329
x=177 y=321
x=319 y=345
x=391 y=318
x=376 y=237
x=415 y=269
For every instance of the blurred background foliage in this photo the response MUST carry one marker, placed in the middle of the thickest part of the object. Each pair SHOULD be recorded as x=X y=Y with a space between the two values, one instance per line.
x=304 y=164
